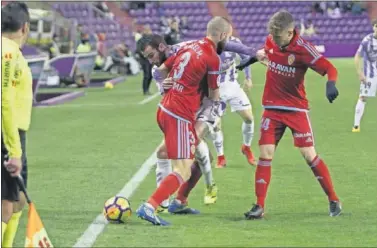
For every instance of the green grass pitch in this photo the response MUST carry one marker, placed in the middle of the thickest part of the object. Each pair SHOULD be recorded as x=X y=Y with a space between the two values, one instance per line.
x=83 y=152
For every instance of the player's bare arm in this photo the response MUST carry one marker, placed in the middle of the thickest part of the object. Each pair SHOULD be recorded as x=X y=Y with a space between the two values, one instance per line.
x=359 y=68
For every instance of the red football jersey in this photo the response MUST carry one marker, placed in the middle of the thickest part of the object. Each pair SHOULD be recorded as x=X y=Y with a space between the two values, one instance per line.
x=284 y=88
x=189 y=67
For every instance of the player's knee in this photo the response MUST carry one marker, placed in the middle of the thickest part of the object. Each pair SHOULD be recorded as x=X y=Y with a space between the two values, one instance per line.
x=363 y=98
x=267 y=151
x=6 y=210
x=200 y=129
x=183 y=168
x=247 y=116
x=308 y=153
x=217 y=127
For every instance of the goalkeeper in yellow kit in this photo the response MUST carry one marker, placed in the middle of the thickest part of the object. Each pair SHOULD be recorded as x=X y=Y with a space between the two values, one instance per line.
x=16 y=104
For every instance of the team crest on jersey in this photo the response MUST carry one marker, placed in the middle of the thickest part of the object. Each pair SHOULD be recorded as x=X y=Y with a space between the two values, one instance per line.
x=291 y=59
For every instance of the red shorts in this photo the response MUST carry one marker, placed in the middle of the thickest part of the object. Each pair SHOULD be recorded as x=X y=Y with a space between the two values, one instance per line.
x=274 y=123
x=180 y=135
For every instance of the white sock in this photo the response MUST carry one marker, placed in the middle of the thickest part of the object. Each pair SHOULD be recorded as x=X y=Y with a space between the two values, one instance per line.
x=247 y=133
x=202 y=156
x=163 y=169
x=218 y=142
x=359 y=111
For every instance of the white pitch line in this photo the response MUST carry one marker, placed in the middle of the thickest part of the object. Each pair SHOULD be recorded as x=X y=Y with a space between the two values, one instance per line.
x=91 y=234
x=150 y=98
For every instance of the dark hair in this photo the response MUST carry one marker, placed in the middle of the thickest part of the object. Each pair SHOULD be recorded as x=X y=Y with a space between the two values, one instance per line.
x=153 y=40
x=13 y=16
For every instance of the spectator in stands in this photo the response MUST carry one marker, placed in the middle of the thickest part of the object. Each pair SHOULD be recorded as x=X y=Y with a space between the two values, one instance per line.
x=316 y=8
x=84 y=46
x=54 y=49
x=184 y=25
x=333 y=10
x=164 y=25
x=172 y=35
x=103 y=7
x=78 y=35
x=357 y=8
x=101 y=52
x=307 y=30
x=132 y=65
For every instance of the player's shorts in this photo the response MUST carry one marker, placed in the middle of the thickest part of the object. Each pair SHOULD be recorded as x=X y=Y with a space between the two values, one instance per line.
x=232 y=93
x=9 y=187
x=180 y=135
x=369 y=88
x=274 y=123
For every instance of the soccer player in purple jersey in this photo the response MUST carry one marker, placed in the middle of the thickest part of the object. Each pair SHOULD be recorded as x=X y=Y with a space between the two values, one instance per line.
x=232 y=94
x=367 y=53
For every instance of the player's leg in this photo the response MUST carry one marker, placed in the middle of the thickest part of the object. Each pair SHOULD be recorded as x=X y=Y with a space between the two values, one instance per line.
x=359 y=112
x=163 y=169
x=271 y=132
x=304 y=140
x=18 y=206
x=240 y=103
x=367 y=89
x=180 y=140
x=217 y=138
x=202 y=155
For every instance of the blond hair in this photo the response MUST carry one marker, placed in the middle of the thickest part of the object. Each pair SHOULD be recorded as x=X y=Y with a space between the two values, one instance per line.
x=280 y=21
x=217 y=25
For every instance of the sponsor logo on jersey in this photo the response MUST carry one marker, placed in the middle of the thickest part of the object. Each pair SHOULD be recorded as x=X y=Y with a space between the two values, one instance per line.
x=288 y=71
x=271 y=51
x=291 y=59
x=302 y=135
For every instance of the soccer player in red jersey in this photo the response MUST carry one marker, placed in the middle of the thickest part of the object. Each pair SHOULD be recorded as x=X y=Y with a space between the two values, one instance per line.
x=285 y=105
x=193 y=69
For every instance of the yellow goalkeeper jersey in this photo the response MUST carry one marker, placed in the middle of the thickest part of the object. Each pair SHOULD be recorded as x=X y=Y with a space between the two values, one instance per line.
x=16 y=97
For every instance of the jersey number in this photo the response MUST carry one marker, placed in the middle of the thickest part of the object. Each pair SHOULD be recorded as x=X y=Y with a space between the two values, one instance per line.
x=181 y=67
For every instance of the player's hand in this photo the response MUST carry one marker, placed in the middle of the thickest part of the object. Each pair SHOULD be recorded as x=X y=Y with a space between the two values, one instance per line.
x=167 y=83
x=261 y=55
x=331 y=91
x=247 y=85
x=362 y=78
x=13 y=166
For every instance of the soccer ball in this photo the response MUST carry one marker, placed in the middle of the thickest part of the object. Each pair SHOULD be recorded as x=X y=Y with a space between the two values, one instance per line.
x=117 y=209
x=109 y=85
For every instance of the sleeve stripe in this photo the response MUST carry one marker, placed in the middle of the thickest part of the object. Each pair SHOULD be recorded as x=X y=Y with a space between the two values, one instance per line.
x=310 y=49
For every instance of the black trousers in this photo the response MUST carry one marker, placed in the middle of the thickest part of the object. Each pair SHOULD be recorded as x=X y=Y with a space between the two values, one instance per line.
x=9 y=186
x=147 y=74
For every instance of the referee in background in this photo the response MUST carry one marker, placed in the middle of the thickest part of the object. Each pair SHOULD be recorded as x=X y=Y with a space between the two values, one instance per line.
x=16 y=103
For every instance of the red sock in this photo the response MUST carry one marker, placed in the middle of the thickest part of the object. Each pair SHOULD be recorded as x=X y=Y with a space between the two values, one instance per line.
x=322 y=174
x=262 y=180
x=186 y=188
x=167 y=187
